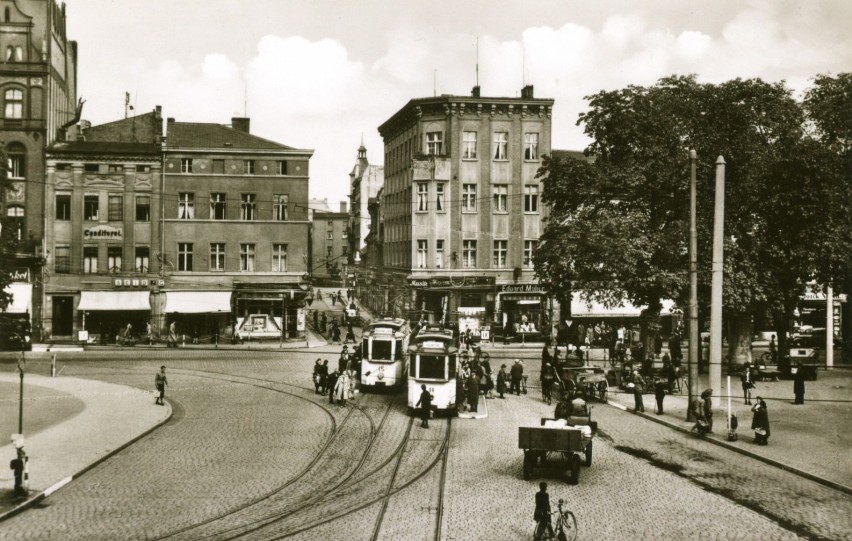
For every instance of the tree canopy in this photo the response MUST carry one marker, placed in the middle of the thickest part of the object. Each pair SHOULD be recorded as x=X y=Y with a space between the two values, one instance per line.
x=619 y=222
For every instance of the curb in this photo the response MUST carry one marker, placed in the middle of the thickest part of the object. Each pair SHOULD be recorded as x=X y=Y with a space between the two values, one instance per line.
x=56 y=486
x=746 y=452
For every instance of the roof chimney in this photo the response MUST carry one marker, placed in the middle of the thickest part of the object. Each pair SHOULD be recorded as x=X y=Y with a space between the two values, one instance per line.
x=343 y=207
x=527 y=92
x=241 y=123
x=171 y=120
x=475 y=91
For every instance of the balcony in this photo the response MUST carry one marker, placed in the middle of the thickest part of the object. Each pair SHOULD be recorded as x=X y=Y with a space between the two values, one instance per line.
x=431 y=168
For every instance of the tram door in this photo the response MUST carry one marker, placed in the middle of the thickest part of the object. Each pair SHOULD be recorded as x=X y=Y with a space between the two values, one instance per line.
x=63 y=316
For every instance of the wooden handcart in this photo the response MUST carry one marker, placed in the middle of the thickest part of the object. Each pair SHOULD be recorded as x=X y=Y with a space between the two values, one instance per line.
x=565 y=448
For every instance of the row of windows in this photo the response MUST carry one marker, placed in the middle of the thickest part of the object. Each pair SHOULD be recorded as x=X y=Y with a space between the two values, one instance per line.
x=500 y=253
x=141 y=262
x=186 y=207
x=500 y=195
x=470 y=150
x=249 y=167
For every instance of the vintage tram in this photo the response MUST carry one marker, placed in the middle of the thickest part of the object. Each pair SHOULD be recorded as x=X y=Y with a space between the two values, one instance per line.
x=384 y=353
x=433 y=363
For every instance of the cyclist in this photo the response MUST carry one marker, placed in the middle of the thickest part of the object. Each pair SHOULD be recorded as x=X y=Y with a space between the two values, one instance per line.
x=542 y=510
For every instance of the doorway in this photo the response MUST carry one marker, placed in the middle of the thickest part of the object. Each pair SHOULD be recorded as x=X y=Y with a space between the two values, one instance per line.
x=63 y=316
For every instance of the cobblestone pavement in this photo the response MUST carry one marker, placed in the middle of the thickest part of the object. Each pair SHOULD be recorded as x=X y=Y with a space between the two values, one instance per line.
x=243 y=445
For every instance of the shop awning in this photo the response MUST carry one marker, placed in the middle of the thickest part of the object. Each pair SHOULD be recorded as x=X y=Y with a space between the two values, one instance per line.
x=22 y=298
x=114 y=300
x=198 y=302
x=582 y=308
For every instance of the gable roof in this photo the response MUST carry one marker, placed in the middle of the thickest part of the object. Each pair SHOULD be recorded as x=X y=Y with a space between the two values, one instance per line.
x=208 y=135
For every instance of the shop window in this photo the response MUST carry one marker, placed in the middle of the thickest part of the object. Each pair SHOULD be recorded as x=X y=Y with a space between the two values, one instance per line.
x=217 y=256
x=63 y=206
x=279 y=258
x=115 y=207
x=62 y=260
x=90 y=208
x=531 y=198
x=143 y=208
x=280 y=202
x=247 y=257
x=218 y=206
x=14 y=103
x=90 y=259
x=184 y=256
x=114 y=258
x=469 y=198
x=142 y=261
x=186 y=206
x=248 y=206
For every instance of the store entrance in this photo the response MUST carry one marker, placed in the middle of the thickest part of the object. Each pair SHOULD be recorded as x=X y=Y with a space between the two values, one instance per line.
x=106 y=326
x=62 y=320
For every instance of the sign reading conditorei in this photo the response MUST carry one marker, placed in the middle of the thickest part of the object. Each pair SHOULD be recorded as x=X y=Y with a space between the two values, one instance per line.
x=102 y=232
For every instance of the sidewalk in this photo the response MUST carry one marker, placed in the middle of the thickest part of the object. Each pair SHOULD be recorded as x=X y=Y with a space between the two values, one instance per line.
x=70 y=425
x=812 y=440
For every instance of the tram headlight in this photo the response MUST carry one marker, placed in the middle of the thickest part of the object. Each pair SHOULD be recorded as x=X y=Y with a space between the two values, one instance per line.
x=381 y=374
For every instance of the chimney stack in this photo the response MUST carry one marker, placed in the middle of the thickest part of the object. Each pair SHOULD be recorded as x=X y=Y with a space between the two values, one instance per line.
x=343 y=206
x=527 y=92
x=475 y=91
x=241 y=123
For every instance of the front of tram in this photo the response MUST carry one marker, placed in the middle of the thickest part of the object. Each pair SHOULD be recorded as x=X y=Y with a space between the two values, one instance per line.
x=433 y=363
x=384 y=356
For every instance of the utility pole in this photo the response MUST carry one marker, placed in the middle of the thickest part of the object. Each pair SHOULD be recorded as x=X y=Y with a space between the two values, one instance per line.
x=715 y=368
x=692 y=361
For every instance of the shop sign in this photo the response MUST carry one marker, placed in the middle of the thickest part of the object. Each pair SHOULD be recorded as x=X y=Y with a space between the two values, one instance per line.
x=452 y=282
x=138 y=282
x=102 y=232
x=21 y=274
x=521 y=288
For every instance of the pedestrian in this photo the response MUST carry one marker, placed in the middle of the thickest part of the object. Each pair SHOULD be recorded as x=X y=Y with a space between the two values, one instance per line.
x=506 y=329
x=542 y=511
x=747 y=381
x=351 y=376
x=697 y=408
x=160 y=381
x=18 y=466
x=343 y=360
x=461 y=385
x=323 y=323
x=760 y=422
x=547 y=378
x=425 y=405
x=488 y=380
x=660 y=392
x=128 y=335
x=332 y=382
x=341 y=388
x=149 y=333
x=473 y=391
x=773 y=350
x=316 y=319
x=316 y=375
x=172 y=335
x=333 y=299
x=322 y=373
x=799 y=385
x=350 y=333
x=545 y=355
x=501 y=380
x=636 y=385
x=335 y=332
x=516 y=373
x=319 y=294
x=707 y=408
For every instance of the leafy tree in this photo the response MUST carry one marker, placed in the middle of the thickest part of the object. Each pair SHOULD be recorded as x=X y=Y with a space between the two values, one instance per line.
x=619 y=226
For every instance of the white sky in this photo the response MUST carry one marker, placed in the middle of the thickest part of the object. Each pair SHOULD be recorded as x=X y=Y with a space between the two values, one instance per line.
x=320 y=73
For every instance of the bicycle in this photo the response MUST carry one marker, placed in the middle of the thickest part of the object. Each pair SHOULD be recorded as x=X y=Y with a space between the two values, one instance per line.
x=565 y=528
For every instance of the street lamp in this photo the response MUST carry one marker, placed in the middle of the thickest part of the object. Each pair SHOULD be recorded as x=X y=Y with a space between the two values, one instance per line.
x=22 y=363
x=692 y=361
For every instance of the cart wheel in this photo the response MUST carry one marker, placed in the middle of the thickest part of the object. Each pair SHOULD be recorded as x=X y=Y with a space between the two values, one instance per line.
x=589 y=454
x=528 y=464
x=575 y=469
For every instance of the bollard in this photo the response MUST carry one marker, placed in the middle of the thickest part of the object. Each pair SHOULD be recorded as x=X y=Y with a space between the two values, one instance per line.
x=183 y=340
x=216 y=337
x=53 y=366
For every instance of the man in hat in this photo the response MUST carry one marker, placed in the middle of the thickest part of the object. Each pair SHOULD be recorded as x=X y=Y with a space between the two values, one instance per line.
x=746 y=378
x=160 y=381
x=660 y=391
x=344 y=358
x=425 y=405
x=516 y=373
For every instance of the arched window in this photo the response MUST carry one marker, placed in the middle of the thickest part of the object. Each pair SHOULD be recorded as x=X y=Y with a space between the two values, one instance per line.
x=14 y=103
x=15 y=211
x=16 y=153
x=10 y=53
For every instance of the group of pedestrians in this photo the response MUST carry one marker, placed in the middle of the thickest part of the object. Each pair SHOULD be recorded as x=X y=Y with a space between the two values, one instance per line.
x=340 y=385
x=473 y=378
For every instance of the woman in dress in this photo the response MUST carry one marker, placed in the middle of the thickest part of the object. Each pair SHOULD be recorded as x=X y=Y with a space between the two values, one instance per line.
x=760 y=422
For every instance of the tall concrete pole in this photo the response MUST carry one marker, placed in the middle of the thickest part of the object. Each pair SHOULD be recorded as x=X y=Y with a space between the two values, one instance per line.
x=692 y=360
x=715 y=368
x=829 y=328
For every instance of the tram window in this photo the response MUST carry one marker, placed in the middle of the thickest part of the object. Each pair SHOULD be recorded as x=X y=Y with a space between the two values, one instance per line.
x=452 y=366
x=431 y=367
x=382 y=350
x=398 y=353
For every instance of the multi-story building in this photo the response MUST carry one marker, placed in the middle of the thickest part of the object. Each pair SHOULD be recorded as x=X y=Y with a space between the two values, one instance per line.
x=329 y=244
x=236 y=231
x=103 y=235
x=372 y=263
x=38 y=85
x=365 y=181
x=462 y=212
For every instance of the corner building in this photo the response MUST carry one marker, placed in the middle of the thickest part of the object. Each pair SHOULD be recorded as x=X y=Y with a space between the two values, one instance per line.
x=462 y=212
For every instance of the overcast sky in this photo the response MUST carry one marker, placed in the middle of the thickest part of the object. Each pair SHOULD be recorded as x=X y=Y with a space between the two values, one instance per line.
x=319 y=74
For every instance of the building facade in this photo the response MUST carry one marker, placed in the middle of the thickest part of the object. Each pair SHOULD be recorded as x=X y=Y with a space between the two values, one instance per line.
x=38 y=85
x=329 y=244
x=365 y=181
x=462 y=211
x=235 y=238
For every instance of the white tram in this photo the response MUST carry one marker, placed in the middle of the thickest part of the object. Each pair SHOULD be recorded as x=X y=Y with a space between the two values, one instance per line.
x=384 y=353
x=433 y=363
